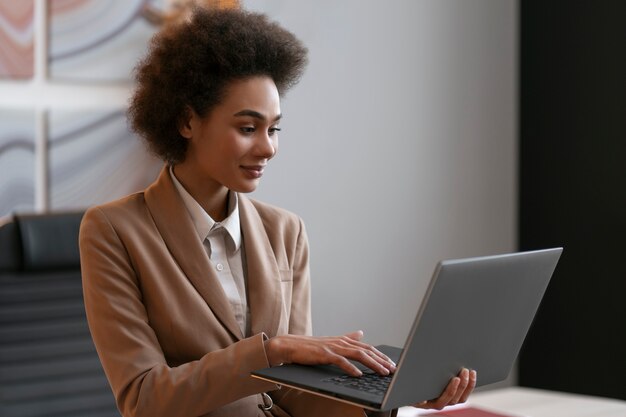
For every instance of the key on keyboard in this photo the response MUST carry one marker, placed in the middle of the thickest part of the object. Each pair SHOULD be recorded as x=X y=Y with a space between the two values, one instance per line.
x=369 y=382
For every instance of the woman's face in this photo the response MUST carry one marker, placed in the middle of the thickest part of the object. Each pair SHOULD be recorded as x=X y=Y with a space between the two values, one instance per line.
x=233 y=143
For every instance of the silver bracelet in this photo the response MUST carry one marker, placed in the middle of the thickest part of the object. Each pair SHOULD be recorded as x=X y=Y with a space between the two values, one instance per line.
x=266 y=400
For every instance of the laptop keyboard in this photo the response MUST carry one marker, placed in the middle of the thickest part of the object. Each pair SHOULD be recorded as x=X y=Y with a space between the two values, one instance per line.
x=370 y=382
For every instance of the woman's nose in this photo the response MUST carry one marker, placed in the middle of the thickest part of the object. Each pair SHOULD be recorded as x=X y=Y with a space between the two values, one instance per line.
x=266 y=145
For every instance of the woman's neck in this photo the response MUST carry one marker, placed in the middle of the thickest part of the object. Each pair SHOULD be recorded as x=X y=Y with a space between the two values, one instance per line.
x=212 y=196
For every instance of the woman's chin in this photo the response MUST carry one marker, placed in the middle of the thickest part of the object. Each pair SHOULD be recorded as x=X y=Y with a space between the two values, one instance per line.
x=247 y=187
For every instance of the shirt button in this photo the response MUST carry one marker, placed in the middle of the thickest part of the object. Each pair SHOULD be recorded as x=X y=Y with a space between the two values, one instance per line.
x=219 y=267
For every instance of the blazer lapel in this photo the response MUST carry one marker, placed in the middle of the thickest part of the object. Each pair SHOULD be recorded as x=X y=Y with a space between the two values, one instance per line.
x=176 y=227
x=264 y=292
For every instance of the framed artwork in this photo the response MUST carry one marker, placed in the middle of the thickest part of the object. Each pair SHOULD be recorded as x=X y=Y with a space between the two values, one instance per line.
x=17 y=161
x=95 y=40
x=16 y=39
x=94 y=158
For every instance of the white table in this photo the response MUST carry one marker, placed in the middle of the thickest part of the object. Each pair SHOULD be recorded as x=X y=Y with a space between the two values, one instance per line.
x=526 y=402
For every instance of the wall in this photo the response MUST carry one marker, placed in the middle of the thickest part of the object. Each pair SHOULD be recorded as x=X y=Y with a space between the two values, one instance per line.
x=398 y=147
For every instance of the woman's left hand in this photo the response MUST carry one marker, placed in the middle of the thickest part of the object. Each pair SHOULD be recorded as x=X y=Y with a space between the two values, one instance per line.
x=458 y=390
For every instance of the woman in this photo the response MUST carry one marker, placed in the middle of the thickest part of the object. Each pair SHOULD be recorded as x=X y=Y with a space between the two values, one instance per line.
x=189 y=286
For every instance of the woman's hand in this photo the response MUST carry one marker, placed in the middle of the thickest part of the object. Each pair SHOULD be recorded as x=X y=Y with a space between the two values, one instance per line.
x=339 y=350
x=458 y=390
x=336 y=350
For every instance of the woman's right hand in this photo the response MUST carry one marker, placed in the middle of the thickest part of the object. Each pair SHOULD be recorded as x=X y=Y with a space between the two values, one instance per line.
x=334 y=350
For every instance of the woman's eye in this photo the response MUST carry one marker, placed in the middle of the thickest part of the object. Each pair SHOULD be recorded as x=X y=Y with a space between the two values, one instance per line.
x=247 y=129
x=274 y=130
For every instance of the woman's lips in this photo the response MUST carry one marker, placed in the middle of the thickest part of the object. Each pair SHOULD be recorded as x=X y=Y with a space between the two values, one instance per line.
x=253 y=171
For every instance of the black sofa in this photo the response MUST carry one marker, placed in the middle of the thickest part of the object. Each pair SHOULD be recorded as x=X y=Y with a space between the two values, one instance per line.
x=48 y=364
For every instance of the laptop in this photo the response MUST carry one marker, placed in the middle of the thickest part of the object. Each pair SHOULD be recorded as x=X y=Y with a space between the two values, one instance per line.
x=475 y=314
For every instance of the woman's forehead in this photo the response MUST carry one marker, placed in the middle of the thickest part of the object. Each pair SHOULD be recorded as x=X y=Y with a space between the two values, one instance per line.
x=255 y=94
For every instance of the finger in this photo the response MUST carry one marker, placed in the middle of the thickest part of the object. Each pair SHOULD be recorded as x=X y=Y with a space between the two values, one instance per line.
x=444 y=398
x=388 y=363
x=381 y=365
x=358 y=335
x=382 y=359
x=344 y=364
x=464 y=376
x=448 y=394
x=365 y=357
x=365 y=354
x=378 y=356
x=473 y=379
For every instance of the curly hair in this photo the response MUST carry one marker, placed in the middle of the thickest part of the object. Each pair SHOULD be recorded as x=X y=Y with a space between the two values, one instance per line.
x=190 y=64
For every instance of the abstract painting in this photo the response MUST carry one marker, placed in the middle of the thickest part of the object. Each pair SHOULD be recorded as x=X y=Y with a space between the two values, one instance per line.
x=17 y=161
x=95 y=40
x=94 y=158
x=16 y=39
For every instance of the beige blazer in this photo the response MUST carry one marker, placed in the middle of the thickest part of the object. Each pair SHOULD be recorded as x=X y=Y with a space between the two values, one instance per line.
x=166 y=335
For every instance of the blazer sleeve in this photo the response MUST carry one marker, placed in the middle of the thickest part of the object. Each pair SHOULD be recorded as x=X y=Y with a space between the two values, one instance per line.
x=142 y=381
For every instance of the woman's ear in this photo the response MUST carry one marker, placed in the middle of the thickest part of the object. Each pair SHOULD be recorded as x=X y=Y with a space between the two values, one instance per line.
x=185 y=123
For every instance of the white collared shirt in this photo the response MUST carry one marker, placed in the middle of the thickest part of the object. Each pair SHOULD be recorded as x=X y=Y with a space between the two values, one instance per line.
x=222 y=242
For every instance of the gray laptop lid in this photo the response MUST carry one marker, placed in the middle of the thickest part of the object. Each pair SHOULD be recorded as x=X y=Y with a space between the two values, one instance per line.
x=475 y=314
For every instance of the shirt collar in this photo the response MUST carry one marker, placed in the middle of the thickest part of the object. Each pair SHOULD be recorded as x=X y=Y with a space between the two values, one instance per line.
x=201 y=219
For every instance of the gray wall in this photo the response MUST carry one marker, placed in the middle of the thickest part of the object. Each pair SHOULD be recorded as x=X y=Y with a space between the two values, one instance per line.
x=398 y=149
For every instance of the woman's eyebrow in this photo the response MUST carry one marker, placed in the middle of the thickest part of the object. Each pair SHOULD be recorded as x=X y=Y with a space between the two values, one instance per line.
x=256 y=115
